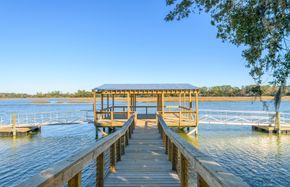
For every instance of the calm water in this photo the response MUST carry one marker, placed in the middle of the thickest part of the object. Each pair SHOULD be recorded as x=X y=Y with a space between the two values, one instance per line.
x=260 y=159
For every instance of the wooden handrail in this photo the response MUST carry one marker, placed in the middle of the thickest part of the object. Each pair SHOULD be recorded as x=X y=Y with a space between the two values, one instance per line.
x=177 y=112
x=109 y=112
x=69 y=170
x=209 y=172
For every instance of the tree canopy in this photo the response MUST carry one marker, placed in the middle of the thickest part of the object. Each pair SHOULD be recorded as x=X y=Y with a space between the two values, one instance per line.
x=261 y=27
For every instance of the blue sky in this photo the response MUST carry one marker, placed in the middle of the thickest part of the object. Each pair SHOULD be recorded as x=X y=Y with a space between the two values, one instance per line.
x=78 y=44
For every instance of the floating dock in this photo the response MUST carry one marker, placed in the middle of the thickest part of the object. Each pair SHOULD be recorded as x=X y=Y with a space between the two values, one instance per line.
x=19 y=131
x=271 y=129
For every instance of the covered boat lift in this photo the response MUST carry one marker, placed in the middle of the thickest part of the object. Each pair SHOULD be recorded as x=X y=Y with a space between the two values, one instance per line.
x=118 y=101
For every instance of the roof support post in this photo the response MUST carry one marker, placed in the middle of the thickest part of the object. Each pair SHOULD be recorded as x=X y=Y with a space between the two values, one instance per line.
x=94 y=107
x=108 y=101
x=190 y=100
x=108 y=104
x=179 y=100
x=128 y=103
x=184 y=102
x=196 y=111
x=113 y=102
x=162 y=104
x=102 y=105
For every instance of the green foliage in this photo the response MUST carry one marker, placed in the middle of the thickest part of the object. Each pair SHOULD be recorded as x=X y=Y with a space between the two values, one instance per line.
x=13 y=95
x=53 y=94
x=229 y=91
x=261 y=27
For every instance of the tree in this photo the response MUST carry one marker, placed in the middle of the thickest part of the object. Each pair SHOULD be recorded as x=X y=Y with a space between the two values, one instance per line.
x=261 y=27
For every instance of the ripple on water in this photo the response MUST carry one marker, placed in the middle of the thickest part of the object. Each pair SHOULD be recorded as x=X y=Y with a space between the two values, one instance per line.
x=21 y=160
x=260 y=159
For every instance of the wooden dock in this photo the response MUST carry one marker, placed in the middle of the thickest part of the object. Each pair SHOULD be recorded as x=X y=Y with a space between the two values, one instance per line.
x=19 y=131
x=153 y=155
x=145 y=162
x=272 y=129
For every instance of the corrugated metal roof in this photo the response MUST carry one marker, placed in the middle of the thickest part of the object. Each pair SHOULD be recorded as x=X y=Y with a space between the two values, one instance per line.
x=111 y=87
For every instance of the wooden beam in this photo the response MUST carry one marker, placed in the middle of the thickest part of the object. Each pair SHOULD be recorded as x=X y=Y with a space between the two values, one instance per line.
x=162 y=104
x=102 y=102
x=119 y=149
x=190 y=101
x=113 y=158
x=76 y=181
x=100 y=170
x=196 y=110
x=129 y=108
x=179 y=99
x=183 y=171
x=113 y=102
x=108 y=100
x=173 y=156
x=95 y=107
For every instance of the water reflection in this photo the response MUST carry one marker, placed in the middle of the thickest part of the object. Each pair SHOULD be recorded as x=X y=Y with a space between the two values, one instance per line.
x=259 y=158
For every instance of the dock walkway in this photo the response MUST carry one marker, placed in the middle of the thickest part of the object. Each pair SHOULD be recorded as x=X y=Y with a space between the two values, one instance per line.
x=145 y=162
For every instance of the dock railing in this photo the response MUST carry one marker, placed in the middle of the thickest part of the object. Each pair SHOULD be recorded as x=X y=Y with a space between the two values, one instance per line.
x=190 y=162
x=45 y=118
x=70 y=170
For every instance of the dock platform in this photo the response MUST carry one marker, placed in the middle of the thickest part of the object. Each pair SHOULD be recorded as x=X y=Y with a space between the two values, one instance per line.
x=271 y=129
x=20 y=131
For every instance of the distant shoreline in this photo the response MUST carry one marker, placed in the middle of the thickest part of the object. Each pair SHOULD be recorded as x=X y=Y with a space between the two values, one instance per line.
x=86 y=100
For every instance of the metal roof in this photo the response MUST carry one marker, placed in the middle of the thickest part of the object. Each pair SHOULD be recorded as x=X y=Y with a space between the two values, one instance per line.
x=122 y=87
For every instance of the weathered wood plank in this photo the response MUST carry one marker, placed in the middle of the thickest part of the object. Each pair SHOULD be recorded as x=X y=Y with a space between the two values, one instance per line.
x=145 y=162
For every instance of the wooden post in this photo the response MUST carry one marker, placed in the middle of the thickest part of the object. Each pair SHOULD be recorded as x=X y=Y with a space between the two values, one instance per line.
x=102 y=105
x=14 y=125
x=108 y=100
x=190 y=105
x=173 y=157
x=100 y=170
x=184 y=102
x=183 y=171
x=130 y=131
x=127 y=138
x=119 y=148
x=278 y=123
x=113 y=102
x=196 y=112
x=179 y=100
x=166 y=144
x=112 y=118
x=190 y=101
x=201 y=182
x=169 y=150
x=180 y=116
x=76 y=181
x=113 y=158
x=128 y=102
x=108 y=105
x=123 y=144
x=135 y=102
x=162 y=104
x=95 y=107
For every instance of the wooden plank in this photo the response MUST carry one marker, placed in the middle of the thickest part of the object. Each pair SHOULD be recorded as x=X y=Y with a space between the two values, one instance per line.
x=76 y=181
x=100 y=170
x=145 y=162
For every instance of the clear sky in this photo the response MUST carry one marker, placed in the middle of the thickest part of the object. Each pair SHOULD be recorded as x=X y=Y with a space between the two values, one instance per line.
x=68 y=45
